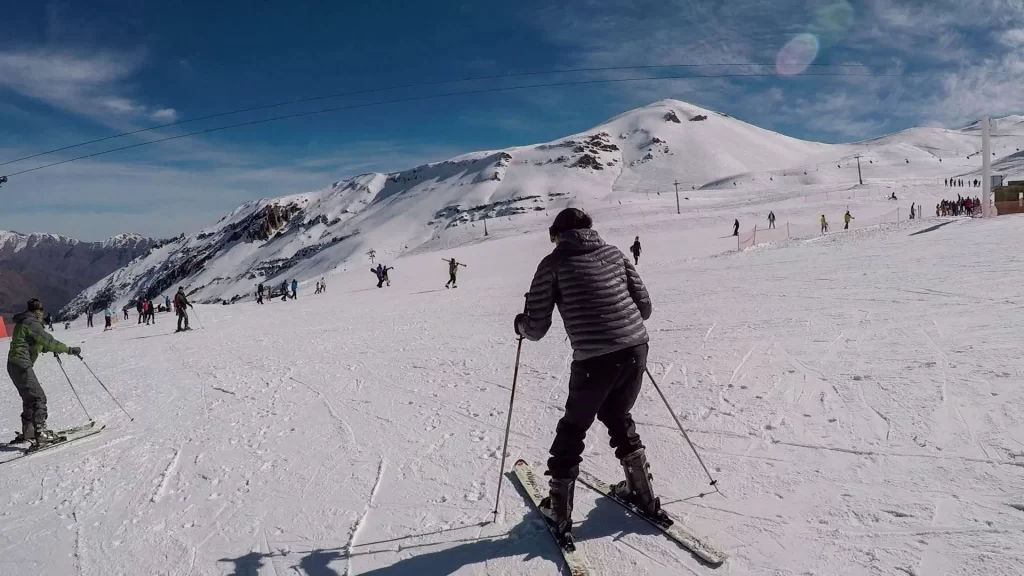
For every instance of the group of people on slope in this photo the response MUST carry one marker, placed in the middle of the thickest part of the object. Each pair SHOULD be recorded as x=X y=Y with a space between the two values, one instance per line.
x=959 y=183
x=959 y=207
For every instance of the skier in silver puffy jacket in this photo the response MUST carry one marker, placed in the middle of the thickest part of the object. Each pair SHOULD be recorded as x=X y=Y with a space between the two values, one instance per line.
x=603 y=304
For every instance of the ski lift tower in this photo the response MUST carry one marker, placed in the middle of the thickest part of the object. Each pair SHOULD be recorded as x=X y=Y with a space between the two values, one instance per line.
x=987 y=207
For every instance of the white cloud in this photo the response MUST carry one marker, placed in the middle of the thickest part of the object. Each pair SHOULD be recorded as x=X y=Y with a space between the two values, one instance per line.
x=961 y=58
x=94 y=85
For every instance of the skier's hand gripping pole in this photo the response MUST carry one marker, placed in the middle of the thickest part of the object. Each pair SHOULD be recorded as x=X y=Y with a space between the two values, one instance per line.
x=713 y=483
x=508 y=422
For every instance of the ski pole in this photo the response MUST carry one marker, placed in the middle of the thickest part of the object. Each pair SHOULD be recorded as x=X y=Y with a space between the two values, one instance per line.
x=80 y=403
x=681 y=429
x=106 y=389
x=508 y=421
x=197 y=319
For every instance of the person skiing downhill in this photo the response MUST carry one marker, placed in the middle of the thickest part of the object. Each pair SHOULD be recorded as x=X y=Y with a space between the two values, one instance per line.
x=181 y=304
x=28 y=340
x=846 y=218
x=635 y=249
x=824 y=224
x=603 y=304
x=453 y=271
x=771 y=220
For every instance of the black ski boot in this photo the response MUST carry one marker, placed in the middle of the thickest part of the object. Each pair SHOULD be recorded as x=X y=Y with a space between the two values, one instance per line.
x=557 y=507
x=43 y=438
x=637 y=488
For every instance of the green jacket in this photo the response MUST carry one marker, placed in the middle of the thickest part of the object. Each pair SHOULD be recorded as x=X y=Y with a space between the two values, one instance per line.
x=29 y=340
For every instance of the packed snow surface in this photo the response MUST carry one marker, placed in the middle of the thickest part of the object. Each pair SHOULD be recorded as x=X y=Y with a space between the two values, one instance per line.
x=857 y=396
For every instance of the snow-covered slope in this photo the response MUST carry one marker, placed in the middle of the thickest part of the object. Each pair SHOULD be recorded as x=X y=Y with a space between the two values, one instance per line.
x=56 y=268
x=856 y=396
x=441 y=205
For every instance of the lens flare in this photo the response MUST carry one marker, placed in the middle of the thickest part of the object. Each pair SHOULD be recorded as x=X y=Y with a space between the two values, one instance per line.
x=797 y=55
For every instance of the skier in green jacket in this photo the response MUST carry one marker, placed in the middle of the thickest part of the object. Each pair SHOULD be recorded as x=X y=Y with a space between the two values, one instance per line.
x=28 y=340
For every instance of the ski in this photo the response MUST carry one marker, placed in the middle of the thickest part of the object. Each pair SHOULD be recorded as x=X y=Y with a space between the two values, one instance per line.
x=77 y=433
x=573 y=558
x=675 y=531
x=65 y=432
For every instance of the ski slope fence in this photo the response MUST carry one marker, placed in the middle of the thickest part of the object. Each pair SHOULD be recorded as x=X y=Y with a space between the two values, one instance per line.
x=788 y=230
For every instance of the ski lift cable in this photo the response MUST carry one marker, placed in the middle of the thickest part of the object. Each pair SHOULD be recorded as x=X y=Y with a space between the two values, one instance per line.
x=422 y=98
x=402 y=87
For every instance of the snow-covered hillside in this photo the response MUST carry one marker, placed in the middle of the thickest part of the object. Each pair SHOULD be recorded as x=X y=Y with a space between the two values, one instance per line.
x=442 y=205
x=856 y=395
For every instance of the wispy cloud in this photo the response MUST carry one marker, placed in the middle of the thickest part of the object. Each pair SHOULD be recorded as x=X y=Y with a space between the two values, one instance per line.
x=91 y=84
x=960 y=58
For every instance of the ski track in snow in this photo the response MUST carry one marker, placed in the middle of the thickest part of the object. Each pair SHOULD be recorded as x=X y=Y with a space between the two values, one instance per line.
x=868 y=426
x=165 y=477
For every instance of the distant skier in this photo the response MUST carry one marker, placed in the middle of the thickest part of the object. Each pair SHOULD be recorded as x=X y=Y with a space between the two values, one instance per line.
x=846 y=219
x=893 y=197
x=317 y=287
x=771 y=220
x=28 y=340
x=295 y=289
x=381 y=271
x=453 y=272
x=736 y=227
x=323 y=285
x=912 y=210
x=603 y=303
x=125 y=310
x=167 y=302
x=635 y=249
x=88 y=318
x=145 y=312
x=108 y=318
x=284 y=291
x=259 y=294
x=181 y=306
x=49 y=322
x=152 y=311
x=824 y=224
x=139 y=309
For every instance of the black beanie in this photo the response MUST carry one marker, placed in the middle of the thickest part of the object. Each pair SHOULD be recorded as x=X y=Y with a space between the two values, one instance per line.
x=570 y=219
x=35 y=304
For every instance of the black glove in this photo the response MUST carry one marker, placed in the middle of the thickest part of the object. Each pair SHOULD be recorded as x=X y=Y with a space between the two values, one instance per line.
x=75 y=351
x=520 y=324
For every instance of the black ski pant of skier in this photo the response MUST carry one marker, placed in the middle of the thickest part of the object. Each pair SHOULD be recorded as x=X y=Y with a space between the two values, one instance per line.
x=847 y=226
x=636 y=258
x=125 y=314
x=605 y=387
x=771 y=224
x=451 y=280
x=380 y=281
x=88 y=322
x=107 y=324
x=182 y=315
x=33 y=399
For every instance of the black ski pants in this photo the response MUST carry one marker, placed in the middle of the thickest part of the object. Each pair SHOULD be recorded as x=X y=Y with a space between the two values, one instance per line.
x=182 y=316
x=451 y=279
x=605 y=387
x=33 y=399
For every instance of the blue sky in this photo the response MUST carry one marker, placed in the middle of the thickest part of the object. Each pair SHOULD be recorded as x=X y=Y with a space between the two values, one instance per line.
x=73 y=71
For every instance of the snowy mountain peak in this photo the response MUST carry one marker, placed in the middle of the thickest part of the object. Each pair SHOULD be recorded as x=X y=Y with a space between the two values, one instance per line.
x=443 y=204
